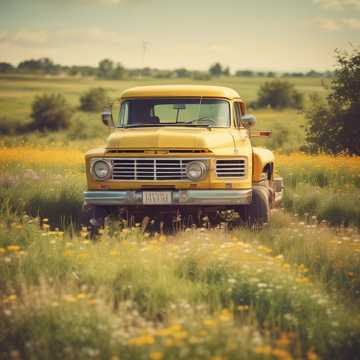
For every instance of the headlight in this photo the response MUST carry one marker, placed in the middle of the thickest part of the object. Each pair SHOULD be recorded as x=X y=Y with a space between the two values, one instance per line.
x=101 y=169
x=196 y=170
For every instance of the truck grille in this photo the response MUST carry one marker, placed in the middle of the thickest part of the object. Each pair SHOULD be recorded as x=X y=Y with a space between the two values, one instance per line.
x=230 y=168
x=149 y=169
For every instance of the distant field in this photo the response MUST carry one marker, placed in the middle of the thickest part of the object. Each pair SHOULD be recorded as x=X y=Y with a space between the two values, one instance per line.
x=17 y=94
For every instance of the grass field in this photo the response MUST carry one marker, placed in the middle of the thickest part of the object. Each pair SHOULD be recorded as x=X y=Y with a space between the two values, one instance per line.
x=288 y=291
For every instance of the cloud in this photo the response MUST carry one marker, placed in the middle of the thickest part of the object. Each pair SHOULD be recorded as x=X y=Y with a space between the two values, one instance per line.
x=24 y=38
x=339 y=24
x=338 y=4
x=70 y=46
x=55 y=38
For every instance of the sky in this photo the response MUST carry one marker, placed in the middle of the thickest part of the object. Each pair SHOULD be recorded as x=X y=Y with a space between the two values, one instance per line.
x=280 y=35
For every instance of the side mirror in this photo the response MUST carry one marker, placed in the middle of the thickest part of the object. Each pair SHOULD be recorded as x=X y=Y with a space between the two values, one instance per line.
x=107 y=118
x=248 y=120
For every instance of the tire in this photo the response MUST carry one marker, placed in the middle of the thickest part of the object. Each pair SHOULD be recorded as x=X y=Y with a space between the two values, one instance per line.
x=258 y=212
x=93 y=218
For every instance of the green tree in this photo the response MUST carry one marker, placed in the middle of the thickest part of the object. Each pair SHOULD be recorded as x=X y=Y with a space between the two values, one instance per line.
x=279 y=95
x=182 y=73
x=119 y=72
x=105 y=69
x=334 y=124
x=216 y=70
x=6 y=68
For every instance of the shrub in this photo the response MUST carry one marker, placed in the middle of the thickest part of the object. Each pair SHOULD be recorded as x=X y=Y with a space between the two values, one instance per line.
x=279 y=95
x=93 y=100
x=50 y=112
x=10 y=126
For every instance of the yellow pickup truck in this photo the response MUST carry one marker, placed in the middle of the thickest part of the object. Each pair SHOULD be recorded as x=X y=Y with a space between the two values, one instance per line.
x=180 y=151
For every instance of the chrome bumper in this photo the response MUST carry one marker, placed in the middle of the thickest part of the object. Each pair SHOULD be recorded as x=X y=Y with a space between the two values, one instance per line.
x=178 y=197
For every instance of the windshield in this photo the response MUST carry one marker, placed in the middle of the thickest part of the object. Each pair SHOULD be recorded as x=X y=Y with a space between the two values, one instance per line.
x=198 y=112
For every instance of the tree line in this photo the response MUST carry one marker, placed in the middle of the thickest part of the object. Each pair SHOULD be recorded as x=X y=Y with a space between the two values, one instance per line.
x=108 y=69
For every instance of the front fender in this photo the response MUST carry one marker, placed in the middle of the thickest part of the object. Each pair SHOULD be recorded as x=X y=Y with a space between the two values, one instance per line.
x=261 y=158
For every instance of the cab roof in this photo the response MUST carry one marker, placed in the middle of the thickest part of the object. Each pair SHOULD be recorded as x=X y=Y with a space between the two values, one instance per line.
x=166 y=91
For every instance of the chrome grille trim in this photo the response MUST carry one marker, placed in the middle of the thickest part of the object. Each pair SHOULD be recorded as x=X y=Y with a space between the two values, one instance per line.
x=125 y=169
x=232 y=168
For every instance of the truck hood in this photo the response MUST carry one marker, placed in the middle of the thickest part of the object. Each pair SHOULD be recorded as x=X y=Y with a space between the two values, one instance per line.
x=166 y=137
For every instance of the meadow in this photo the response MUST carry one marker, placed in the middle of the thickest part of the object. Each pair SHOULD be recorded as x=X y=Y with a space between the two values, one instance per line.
x=290 y=290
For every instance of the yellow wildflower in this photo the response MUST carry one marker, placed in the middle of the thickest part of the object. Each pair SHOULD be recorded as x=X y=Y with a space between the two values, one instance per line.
x=225 y=315
x=13 y=248
x=69 y=298
x=81 y=296
x=142 y=340
x=209 y=323
x=156 y=355
x=264 y=350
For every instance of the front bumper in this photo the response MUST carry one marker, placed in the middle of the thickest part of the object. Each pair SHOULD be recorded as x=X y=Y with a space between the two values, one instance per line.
x=178 y=197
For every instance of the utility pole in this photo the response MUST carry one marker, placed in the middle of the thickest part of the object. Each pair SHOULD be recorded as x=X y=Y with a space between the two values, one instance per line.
x=144 y=48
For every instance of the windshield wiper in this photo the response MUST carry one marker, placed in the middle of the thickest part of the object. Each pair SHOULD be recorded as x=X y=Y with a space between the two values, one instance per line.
x=171 y=124
x=142 y=125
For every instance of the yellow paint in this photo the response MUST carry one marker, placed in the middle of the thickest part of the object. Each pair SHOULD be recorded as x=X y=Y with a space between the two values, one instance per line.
x=215 y=143
x=261 y=157
x=180 y=91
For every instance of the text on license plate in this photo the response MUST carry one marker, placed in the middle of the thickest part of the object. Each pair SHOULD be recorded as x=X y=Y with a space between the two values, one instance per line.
x=156 y=197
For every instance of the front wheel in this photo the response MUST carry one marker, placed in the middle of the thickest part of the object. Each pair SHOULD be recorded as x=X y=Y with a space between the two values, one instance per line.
x=258 y=212
x=93 y=218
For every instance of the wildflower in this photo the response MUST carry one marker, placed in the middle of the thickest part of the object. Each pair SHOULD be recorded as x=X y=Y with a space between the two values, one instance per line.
x=281 y=354
x=81 y=296
x=264 y=350
x=69 y=298
x=283 y=340
x=194 y=340
x=45 y=227
x=10 y=299
x=162 y=238
x=142 y=340
x=180 y=335
x=13 y=248
x=311 y=355
x=209 y=323
x=225 y=315
x=156 y=355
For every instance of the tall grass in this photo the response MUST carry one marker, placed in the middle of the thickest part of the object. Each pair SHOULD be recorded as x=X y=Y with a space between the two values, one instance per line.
x=198 y=293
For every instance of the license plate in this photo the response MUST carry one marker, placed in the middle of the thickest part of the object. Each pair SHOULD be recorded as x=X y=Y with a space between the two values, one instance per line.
x=156 y=197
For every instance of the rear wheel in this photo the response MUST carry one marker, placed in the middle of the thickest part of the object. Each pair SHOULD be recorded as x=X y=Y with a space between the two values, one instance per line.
x=258 y=212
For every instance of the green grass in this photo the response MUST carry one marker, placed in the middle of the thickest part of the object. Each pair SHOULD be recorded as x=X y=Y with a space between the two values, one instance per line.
x=223 y=292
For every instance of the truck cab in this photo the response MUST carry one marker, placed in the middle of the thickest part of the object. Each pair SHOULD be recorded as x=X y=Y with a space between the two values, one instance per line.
x=180 y=151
